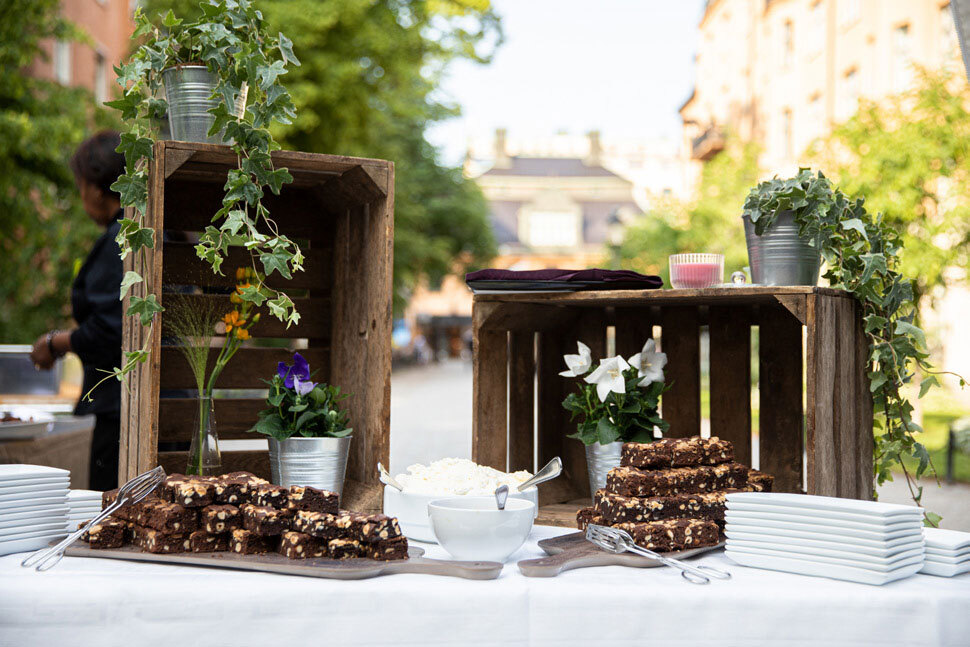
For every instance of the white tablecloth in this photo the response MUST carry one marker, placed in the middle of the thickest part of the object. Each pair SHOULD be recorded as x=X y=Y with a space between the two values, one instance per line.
x=102 y=602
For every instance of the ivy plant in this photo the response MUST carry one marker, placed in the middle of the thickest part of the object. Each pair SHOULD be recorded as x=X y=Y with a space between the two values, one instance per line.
x=861 y=255
x=230 y=39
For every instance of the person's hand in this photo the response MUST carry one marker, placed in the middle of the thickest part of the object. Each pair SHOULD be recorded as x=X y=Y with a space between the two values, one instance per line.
x=40 y=354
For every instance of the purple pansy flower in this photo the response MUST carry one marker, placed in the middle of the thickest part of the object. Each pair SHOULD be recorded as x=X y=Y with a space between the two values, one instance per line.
x=299 y=369
x=302 y=387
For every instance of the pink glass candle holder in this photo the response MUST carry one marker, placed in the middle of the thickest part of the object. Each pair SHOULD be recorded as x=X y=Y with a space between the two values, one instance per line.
x=696 y=270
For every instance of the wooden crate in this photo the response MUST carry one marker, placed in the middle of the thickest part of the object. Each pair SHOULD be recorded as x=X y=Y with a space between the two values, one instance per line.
x=519 y=422
x=340 y=210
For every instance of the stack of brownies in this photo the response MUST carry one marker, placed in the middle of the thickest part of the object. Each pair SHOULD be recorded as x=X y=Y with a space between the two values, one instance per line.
x=244 y=514
x=670 y=494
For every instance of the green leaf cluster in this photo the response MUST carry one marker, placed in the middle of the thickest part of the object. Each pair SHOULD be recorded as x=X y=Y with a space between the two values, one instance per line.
x=314 y=415
x=625 y=417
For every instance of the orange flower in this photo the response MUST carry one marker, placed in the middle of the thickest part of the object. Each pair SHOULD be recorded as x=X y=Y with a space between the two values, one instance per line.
x=233 y=320
x=242 y=286
x=240 y=273
x=242 y=333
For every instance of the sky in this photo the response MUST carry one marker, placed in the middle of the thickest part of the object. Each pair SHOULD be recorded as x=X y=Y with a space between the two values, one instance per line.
x=623 y=67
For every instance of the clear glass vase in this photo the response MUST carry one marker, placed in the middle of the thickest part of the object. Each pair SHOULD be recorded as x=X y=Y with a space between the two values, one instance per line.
x=204 y=456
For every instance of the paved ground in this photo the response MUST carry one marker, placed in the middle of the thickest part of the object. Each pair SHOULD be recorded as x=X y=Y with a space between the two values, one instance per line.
x=431 y=418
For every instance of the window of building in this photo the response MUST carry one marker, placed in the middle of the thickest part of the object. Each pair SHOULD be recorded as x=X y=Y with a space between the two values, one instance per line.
x=816 y=23
x=849 y=11
x=901 y=58
x=948 y=32
x=788 y=42
x=787 y=145
x=62 y=62
x=552 y=229
x=849 y=94
x=100 y=79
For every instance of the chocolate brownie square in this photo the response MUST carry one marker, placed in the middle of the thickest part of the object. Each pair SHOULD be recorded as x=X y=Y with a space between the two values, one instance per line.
x=321 y=525
x=107 y=533
x=387 y=550
x=235 y=488
x=616 y=508
x=245 y=542
x=153 y=541
x=168 y=518
x=265 y=521
x=677 y=452
x=269 y=495
x=759 y=481
x=129 y=511
x=298 y=545
x=313 y=500
x=629 y=481
x=376 y=527
x=586 y=516
x=672 y=534
x=220 y=518
x=344 y=549
x=202 y=542
x=190 y=491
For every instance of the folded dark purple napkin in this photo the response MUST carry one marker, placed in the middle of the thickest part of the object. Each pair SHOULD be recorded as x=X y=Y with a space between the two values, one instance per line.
x=642 y=281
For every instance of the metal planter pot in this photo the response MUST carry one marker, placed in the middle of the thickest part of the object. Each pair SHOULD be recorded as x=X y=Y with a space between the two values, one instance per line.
x=316 y=462
x=600 y=459
x=188 y=89
x=780 y=256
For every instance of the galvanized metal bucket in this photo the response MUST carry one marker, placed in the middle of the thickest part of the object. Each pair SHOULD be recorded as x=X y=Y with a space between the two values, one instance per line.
x=600 y=459
x=780 y=256
x=188 y=89
x=316 y=462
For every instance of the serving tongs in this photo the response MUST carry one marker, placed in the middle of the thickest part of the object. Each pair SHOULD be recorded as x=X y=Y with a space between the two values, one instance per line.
x=131 y=492
x=615 y=540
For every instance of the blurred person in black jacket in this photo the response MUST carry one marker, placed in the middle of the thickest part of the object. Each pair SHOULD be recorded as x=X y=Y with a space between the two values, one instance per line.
x=95 y=305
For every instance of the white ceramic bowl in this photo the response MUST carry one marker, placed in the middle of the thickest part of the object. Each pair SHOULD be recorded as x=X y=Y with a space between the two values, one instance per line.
x=411 y=510
x=473 y=528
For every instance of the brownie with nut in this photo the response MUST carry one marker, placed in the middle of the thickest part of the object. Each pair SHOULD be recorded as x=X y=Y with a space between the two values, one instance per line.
x=202 y=542
x=616 y=508
x=677 y=452
x=165 y=517
x=341 y=548
x=299 y=545
x=265 y=521
x=269 y=495
x=236 y=488
x=190 y=491
x=312 y=499
x=246 y=542
x=107 y=533
x=218 y=519
x=630 y=481
x=153 y=541
x=387 y=549
x=673 y=534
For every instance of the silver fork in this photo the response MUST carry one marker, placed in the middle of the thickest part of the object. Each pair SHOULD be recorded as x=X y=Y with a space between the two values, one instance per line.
x=615 y=540
x=131 y=492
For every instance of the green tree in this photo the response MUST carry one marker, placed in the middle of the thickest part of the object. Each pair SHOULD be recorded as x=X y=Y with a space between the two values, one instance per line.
x=44 y=232
x=710 y=223
x=909 y=156
x=366 y=87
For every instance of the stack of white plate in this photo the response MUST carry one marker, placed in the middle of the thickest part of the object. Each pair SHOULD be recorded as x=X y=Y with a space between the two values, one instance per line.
x=33 y=506
x=83 y=505
x=947 y=552
x=844 y=539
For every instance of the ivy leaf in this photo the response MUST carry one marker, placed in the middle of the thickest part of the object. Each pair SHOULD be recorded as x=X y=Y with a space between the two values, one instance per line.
x=277 y=179
x=906 y=328
x=128 y=104
x=144 y=307
x=927 y=384
x=130 y=279
x=170 y=20
x=276 y=261
x=932 y=519
x=873 y=264
x=269 y=73
x=857 y=225
x=286 y=50
x=876 y=380
x=134 y=148
x=235 y=220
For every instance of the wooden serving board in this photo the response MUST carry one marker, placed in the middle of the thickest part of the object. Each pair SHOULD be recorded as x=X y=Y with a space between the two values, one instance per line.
x=567 y=552
x=343 y=569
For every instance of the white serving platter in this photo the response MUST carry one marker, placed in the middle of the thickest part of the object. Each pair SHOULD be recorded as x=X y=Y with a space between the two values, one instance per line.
x=41 y=423
x=947 y=559
x=849 y=558
x=944 y=570
x=856 y=540
x=963 y=553
x=817 y=569
x=946 y=539
x=835 y=528
x=44 y=517
x=802 y=545
x=61 y=486
x=28 y=498
x=810 y=514
x=815 y=502
x=27 y=544
x=84 y=495
x=22 y=503
x=40 y=480
x=60 y=524
x=14 y=471
x=34 y=511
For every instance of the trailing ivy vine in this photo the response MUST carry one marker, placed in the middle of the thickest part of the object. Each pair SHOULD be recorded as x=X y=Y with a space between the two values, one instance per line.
x=860 y=252
x=231 y=41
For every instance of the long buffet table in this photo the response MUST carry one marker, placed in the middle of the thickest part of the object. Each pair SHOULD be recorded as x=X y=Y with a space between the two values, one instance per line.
x=103 y=602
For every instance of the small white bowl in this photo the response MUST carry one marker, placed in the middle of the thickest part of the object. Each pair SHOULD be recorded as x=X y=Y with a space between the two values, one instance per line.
x=473 y=528
x=411 y=509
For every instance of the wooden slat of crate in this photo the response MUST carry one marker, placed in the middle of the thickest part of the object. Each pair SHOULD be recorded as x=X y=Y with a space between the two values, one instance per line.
x=315 y=326
x=822 y=437
x=730 y=377
x=256 y=462
x=681 y=404
x=780 y=382
x=489 y=399
x=863 y=439
x=590 y=328
x=183 y=267
x=234 y=416
x=246 y=370
x=522 y=373
x=634 y=326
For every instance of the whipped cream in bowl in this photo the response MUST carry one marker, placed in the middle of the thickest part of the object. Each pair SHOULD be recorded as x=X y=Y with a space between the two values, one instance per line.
x=445 y=478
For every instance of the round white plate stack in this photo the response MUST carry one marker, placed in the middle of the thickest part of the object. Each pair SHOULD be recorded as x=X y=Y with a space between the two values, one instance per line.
x=83 y=505
x=33 y=506
x=947 y=552
x=843 y=539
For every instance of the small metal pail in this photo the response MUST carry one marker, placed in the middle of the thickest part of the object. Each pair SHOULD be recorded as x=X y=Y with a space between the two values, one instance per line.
x=316 y=462
x=188 y=89
x=780 y=256
x=600 y=459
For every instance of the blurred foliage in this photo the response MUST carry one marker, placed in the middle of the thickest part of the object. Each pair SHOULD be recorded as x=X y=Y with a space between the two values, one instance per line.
x=44 y=232
x=367 y=87
x=710 y=223
x=909 y=155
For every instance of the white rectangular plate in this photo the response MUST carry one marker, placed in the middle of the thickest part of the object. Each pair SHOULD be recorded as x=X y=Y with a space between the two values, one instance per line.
x=762 y=531
x=947 y=559
x=60 y=487
x=28 y=544
x=802 y=567
x=14 y=471
x=824 y=516
x=963 y=553
x=801 y=545
x=835 y=504
x=944 y=570
x=27 y=498
x=84 y=495
x=58 y=524
x=34 y=511
x=845 y=528
x=839 y=557
x=40 y=480
x=22 y=504
x=42 y=517
x=946 y=539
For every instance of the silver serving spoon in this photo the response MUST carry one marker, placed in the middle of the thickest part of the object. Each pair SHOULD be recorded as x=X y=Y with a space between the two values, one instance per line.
x=501 y=496
x=387 y=479
x=551 y=470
